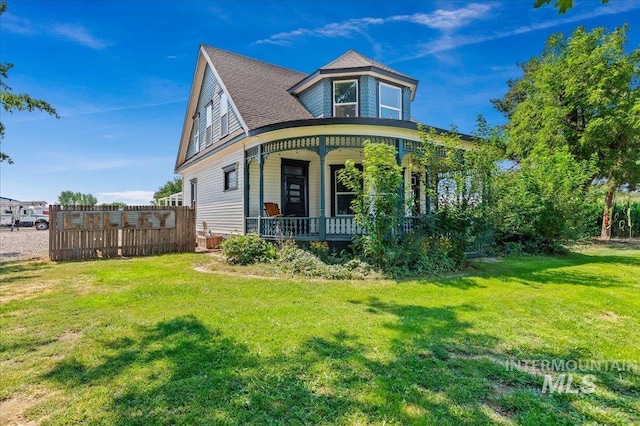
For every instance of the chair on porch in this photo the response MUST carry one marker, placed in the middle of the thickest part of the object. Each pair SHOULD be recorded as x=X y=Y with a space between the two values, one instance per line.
x=272 y=209
x=281 y=226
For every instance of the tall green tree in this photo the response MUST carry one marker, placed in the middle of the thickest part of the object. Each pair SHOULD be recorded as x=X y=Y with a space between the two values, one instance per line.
x=16 y=102
x=171 y=187
x=582 y=94
x=70 y=198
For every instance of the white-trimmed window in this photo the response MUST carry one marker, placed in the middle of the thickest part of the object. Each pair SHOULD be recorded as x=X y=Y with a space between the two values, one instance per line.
x=345 y=98
x=341 y=195
x=209 y=121
x=230 y=177
x=390 y=101
x=193 y=184
x=224 y=115
x=196 y=134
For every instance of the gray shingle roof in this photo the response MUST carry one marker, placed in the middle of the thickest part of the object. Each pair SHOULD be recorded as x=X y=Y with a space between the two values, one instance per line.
x=258 y=89
x=353 y=59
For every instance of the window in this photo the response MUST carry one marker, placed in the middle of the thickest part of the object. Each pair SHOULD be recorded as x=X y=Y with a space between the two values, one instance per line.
x=345 y=98
x=230 y=177
x=196 y=134
x=209 y=118
x=340 y=194
x=390 y=102
x=194 y=189
x=224 y=115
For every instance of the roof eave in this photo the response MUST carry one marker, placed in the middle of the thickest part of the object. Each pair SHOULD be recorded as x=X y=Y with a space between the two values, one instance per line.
x=192 y=102
x=366 y=70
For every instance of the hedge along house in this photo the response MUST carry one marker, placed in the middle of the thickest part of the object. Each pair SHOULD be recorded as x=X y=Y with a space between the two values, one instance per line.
x=261 y=145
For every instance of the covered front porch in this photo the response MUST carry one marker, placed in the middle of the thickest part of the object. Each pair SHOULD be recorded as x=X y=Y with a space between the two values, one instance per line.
x=300 y=176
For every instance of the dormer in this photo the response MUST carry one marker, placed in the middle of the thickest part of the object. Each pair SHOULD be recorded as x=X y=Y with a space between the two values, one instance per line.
x=356 y=86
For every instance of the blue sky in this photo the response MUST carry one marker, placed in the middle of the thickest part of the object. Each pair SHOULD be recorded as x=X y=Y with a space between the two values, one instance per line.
x=119 y=72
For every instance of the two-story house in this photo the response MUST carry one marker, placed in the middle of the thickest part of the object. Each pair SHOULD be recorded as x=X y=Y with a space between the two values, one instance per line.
x=259 y=140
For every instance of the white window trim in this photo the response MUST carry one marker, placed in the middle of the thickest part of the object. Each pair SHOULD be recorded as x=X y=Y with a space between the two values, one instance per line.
x=209 y=124
x=380 y=105
x=224 y=116
x=336 y=194
x=233 y=168
x=196 y=133
x=356 y=103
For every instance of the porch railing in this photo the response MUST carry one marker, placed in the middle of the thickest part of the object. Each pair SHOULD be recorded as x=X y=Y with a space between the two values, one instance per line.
x=308 y=228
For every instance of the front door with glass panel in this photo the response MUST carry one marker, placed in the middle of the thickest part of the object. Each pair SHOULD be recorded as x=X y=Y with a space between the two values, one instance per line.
x=295 y=176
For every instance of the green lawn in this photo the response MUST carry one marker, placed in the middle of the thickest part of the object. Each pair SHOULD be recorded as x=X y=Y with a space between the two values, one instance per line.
x=154 y=341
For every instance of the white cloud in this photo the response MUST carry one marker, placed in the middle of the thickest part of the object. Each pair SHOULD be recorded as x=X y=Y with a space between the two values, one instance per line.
x=70 y=32
x=449 y=42
x=65 y=163
x=78 y=34
x=86 y=110
x=446 y=20
x=134 y=197
x=440 y=19
x=17 y=25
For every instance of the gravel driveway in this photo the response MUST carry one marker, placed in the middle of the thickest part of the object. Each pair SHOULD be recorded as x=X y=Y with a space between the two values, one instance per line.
x=25 y=244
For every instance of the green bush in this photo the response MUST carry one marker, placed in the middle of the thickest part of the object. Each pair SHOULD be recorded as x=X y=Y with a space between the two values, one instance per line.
x=420 y=254
x=542 y=204
x=292 y=259
x=247 y=249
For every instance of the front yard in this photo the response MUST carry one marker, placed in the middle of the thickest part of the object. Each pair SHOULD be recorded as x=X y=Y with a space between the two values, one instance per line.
x=157 y=341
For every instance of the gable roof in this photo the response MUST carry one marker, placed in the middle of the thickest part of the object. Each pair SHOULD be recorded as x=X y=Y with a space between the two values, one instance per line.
x=262 y=94
x=258 y=89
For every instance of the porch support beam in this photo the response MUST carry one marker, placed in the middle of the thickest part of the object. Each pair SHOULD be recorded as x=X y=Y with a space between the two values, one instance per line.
x=322 y=152
x=261 y=160
x=402 y=188
x=246 y=190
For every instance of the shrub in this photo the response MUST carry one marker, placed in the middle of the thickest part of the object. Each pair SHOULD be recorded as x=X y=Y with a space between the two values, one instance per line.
x=292 y=259
x=320 y=249
x=420 y=254
x=247 y=249
x=542 y=204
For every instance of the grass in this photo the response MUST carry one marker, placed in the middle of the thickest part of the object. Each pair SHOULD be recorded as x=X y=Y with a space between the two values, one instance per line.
x=154 y=341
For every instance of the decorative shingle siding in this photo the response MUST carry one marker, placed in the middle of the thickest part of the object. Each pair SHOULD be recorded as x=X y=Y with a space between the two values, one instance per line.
x=313 y=99
x=368 y=96
x=327 y=95
x=211 y=92
x=406 y=103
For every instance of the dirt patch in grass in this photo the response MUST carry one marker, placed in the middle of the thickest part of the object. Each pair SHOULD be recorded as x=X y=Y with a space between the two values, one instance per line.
x=209 y=270
x=13 y=409
x=69 y=336
x=25 y=290
x=609 y=316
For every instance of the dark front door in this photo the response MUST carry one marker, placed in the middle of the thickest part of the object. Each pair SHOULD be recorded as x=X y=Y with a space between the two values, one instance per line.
x=295 y=176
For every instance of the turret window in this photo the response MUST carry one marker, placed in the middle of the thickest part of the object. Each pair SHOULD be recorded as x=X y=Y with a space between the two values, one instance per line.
x=345 y=98
x=390 y=102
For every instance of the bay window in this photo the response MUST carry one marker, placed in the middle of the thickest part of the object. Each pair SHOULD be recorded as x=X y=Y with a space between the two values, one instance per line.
x=345 y=98
x=390 y=101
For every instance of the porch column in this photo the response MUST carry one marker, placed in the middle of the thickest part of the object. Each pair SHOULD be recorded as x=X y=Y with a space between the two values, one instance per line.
x=322 y=152
x=261 y=196
x=427 y=176
x=402 y=188
x=246 y=191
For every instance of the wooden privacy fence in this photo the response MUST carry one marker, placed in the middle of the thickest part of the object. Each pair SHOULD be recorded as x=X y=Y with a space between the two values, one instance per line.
x=91 y=232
